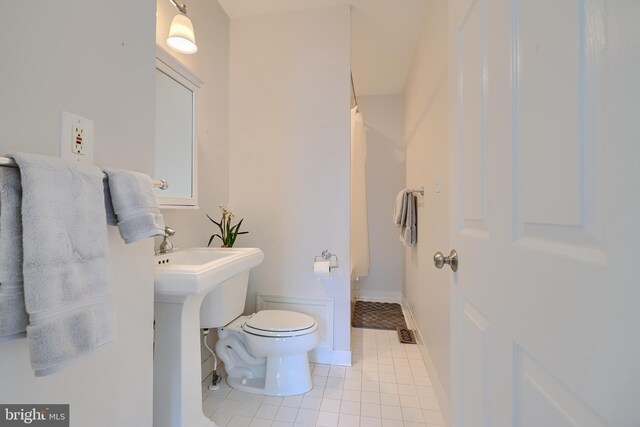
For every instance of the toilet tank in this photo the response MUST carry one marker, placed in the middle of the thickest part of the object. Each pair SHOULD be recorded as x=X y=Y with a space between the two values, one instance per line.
x=225 y=302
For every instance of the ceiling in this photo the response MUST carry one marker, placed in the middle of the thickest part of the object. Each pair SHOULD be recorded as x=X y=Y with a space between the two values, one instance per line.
x=383 y=36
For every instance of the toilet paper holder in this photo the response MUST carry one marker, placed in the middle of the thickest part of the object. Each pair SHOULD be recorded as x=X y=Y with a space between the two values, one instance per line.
x=328 y=256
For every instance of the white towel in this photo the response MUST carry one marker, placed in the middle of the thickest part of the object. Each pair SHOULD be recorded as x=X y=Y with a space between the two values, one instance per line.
x=134 y=204
x=66 y=261
x=13 y=315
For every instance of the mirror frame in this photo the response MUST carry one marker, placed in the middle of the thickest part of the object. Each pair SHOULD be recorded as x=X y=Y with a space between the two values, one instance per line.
x=169 y=65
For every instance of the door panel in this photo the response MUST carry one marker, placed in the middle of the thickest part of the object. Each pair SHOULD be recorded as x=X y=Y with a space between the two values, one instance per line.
x=474 y=336
x=546 y=100
x=471 y=133
x=544 y=205
x=541 y=400
x=471 y=120
x=557 y=122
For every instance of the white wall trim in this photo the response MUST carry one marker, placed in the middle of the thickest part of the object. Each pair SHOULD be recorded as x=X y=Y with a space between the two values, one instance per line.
x=441 y=395
x=341 y=357
x=325 y=356
x=376 y=295
x=321 y=309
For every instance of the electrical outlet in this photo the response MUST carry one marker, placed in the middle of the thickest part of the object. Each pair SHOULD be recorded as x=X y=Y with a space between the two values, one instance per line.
x=76 y=138
x=77 y=144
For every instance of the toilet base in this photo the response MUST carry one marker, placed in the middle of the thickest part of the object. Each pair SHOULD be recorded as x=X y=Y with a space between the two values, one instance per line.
x=285 y=376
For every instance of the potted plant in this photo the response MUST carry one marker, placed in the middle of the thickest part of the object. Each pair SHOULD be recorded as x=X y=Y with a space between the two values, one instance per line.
x=228 y=232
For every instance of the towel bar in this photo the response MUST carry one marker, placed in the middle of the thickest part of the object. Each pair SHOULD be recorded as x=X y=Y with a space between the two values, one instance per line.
x=8 y=162
x=417 y=190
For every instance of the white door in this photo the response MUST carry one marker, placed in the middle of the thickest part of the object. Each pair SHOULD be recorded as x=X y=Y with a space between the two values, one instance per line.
x=545 y=207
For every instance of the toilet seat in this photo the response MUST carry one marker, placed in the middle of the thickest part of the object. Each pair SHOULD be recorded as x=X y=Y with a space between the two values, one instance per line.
x=279 y=324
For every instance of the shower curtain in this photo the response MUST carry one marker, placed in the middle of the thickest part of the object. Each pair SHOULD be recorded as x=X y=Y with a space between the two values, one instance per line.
x=359 y=221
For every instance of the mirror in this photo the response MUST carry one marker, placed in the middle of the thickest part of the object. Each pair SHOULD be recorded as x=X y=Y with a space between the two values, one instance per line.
x=176 y=145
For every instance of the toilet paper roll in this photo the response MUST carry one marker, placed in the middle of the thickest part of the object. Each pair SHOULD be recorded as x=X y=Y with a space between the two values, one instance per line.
x=322 y=269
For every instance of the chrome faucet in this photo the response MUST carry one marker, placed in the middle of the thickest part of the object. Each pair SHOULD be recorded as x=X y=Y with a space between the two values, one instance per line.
x=166 y=247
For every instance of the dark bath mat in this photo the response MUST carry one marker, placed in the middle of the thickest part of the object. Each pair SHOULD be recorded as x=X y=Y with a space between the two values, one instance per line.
x=406 y=336
x=377 y=315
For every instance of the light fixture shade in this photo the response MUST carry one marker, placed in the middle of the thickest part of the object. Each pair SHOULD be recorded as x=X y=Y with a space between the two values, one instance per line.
x=181 y=36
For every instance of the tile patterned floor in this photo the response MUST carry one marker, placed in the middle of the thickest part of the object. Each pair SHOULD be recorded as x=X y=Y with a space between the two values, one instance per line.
x=387 y=386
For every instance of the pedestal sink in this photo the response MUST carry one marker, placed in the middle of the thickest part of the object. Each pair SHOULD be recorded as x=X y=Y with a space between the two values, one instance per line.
x=182 y=280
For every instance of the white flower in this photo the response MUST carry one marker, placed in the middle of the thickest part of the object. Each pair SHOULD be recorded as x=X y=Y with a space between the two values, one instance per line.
x=226 y=210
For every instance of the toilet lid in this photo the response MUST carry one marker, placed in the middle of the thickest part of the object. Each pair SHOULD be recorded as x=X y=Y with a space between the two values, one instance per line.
x=279 y=323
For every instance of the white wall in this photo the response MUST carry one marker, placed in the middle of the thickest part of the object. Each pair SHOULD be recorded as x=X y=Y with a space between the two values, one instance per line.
x=211 y=64
x=384 y=122
x=426 y=135
x=289 y=150
x=101 y=67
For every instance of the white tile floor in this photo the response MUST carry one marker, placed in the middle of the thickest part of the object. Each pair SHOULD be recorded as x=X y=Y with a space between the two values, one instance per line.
x=387 y=386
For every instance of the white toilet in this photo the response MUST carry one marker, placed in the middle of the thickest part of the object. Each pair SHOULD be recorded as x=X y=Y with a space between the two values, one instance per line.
x=265 y=353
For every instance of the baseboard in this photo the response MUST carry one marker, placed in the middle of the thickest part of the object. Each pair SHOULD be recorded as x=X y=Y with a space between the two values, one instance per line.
x=441 y=395
x=325 y=356
x=373 y=295
x=341 y=357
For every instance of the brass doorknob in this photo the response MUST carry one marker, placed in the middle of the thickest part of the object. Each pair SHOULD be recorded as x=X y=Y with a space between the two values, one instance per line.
x=439 y=260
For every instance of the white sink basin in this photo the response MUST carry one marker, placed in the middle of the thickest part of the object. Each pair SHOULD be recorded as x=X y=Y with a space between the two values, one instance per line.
x=195 y=271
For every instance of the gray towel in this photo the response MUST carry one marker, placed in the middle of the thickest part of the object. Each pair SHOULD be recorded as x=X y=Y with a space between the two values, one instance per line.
x=409 y=232
x=13 y=315
x=400 y=212
x=66 y=260
x=112 y=219
x=135 y=205
x=405 y=216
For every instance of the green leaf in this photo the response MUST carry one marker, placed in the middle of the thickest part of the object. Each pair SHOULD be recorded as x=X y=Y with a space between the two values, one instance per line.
x=216 y=223
x=211 y=239
x=212 y=220
x=236 y=228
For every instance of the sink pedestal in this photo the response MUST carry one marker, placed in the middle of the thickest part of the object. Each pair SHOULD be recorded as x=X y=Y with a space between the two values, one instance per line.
x=182 y=280
x=177 y=389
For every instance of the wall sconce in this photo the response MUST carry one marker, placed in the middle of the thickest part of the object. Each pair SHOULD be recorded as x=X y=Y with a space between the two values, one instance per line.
x=181 y=36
